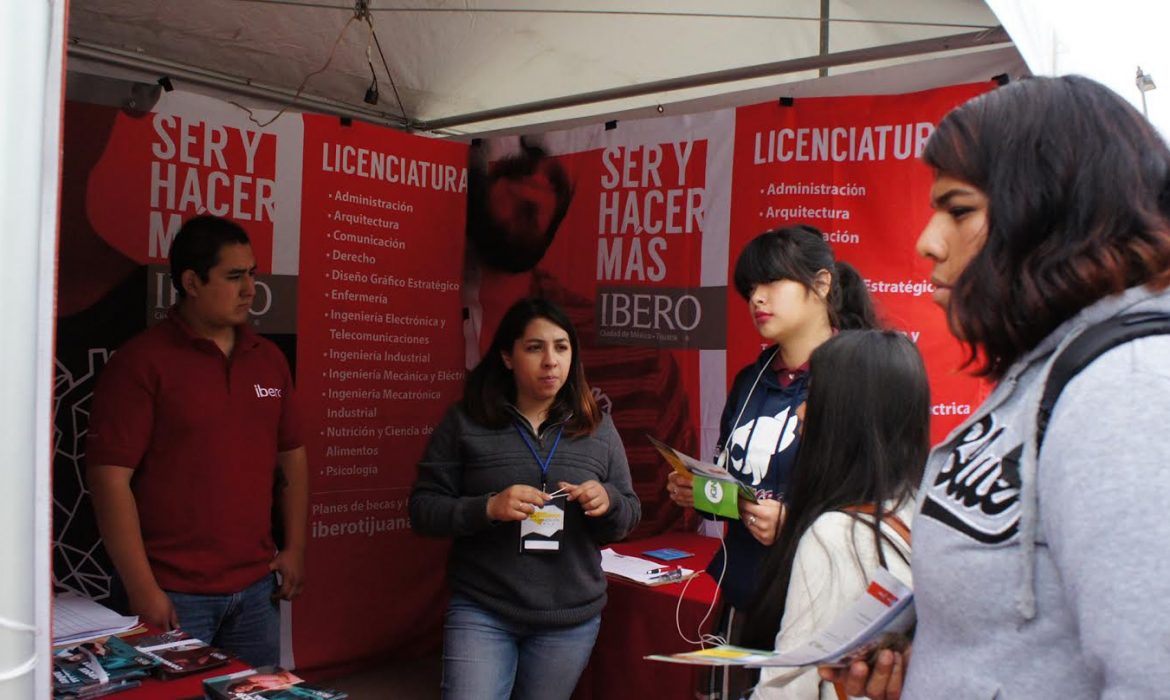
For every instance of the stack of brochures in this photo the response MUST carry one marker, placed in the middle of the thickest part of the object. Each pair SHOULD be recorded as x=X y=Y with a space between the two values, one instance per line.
x=98 y=667
x=884 y=612
x=179 y=654
x=266 y=683
x=643 y=571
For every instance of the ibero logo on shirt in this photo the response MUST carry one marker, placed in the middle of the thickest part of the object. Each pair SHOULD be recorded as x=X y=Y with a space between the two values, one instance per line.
x=266 y=392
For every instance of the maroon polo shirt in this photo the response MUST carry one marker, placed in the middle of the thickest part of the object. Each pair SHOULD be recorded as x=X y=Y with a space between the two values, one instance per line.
x=202 y=432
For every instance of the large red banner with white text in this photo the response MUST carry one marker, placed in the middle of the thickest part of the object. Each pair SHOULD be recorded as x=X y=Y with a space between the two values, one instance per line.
x=358 y=235
x=379 y=358
x=851 y=166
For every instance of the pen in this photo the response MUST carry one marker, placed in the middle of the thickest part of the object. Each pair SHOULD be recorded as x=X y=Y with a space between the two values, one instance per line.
x=661 y=570
x=675 y=575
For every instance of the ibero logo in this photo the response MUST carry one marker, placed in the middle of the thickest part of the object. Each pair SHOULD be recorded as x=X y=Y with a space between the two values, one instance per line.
x=263 y=392
x=713 y=491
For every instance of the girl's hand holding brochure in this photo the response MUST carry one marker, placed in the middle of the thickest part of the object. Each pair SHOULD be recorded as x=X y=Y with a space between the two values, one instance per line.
x=882 y=681
x=763 y=519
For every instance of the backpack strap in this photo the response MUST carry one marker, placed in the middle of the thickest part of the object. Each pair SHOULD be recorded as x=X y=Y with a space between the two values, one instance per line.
x=899 y=527
x=1087 y=347
x=895 y=523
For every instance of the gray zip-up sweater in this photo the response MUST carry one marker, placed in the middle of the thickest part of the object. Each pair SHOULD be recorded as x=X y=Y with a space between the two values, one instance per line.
x=465 y=463
x=1048 y=576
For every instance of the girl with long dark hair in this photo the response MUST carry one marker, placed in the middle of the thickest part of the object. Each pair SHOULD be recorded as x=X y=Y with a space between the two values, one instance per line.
x=1038 y=563
x=525 y=567
x=798 y=296
x=865 y=441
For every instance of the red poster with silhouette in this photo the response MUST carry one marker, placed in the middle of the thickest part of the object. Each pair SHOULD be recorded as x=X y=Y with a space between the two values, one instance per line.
x=628 y=236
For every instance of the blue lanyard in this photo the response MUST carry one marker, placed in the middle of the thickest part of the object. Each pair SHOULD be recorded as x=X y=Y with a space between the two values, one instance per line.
x=536 y=455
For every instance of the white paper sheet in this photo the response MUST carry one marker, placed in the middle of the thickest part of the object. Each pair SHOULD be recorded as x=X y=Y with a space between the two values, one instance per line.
x=639 y=570
x=77 y=619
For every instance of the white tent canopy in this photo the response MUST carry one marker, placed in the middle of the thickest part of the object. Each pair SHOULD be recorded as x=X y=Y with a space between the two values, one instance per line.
x=487 y=65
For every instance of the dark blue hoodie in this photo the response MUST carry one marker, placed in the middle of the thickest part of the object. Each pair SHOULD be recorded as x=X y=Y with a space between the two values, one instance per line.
x=759 y=433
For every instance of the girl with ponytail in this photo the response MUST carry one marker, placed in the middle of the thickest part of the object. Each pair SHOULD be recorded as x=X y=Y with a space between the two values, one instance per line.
x=798 y=296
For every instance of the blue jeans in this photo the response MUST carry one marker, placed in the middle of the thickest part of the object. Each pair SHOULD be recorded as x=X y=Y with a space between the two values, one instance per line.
x=485 y=656
x=246 y=624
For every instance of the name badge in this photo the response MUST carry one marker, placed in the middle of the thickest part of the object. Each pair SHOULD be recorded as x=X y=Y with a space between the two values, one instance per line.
x=542 y=531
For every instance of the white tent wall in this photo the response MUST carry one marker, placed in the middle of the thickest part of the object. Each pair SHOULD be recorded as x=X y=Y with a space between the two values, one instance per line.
x=31 y=72
x=1108 y=43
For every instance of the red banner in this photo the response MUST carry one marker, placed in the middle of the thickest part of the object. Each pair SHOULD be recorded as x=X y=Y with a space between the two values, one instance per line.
x=358 y=233
x=380 y=357
x=630 y=265
x=851 y=166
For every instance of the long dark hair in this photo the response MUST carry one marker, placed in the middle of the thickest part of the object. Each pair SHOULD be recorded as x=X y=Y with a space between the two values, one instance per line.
x=491 y=387
x=798 y=253
x=865 y=441
x=1078 y=188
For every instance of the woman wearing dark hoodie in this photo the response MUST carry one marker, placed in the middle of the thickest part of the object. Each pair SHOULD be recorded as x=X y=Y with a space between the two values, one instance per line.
x=798 y=295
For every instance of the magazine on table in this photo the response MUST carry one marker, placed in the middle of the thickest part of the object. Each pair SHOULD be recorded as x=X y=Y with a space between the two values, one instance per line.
x=180 y=654
x=97 y=667
x=266 y=683
x=881 y=616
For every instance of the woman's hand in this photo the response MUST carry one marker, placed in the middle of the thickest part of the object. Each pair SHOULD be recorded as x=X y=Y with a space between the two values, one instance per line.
x=762 y=519
x=516 y=502
x=882 y=682
x=680 y=490
x=591 y=496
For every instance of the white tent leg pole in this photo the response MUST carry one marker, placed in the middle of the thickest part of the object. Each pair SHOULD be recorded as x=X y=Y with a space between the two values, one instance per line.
x=31 y=81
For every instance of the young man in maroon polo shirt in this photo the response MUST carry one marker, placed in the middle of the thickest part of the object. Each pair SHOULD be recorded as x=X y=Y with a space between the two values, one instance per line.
x=190 y=421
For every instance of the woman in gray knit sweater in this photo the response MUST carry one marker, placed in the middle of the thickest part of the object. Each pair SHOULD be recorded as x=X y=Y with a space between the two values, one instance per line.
x=530 y=478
